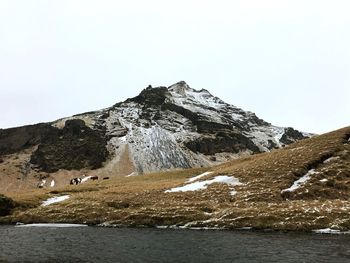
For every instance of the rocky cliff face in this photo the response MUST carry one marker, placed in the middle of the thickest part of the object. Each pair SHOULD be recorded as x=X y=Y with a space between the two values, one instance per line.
x=76 y=146
x=162 y=128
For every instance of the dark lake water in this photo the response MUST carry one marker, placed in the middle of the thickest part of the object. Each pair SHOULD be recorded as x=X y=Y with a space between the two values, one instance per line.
x=92 y=244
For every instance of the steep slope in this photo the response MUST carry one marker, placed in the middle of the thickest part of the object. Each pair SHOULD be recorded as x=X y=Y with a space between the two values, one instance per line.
x=304 y=186
x=160 y=129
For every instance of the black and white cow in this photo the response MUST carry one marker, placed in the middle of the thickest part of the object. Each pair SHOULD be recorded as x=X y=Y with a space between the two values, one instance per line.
x=75 y=181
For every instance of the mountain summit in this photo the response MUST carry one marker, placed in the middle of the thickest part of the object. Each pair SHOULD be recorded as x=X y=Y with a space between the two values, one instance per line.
x=179 y=127
x=161 y=128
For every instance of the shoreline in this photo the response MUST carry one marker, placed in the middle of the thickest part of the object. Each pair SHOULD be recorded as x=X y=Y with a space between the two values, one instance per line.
x=324 y=231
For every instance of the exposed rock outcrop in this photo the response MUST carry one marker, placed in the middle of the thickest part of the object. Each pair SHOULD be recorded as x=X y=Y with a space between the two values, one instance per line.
x=291 y=135
x=76 y=146
x=17 y=139
x=222 y=142
x=6 y=205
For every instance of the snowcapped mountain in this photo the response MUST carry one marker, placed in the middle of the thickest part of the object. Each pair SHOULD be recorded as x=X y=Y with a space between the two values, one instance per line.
x=179 y=127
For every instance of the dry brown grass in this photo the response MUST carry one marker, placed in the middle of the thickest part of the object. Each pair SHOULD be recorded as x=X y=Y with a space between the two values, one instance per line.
x=141 y=200
x=267 y=174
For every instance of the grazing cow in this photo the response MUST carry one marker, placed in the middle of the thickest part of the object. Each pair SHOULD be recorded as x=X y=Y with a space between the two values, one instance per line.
x=105 y=178
x=94 y=177
x=75 y=181
x=41 y=184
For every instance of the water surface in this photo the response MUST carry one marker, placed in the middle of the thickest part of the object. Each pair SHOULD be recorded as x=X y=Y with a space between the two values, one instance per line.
x=92 y=244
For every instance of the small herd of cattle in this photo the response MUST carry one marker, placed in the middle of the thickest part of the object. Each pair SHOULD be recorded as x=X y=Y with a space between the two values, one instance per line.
x=74 y=181
x=78 y=180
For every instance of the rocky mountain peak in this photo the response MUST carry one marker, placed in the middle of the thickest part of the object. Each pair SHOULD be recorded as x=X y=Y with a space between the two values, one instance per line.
x=180 y=127
x=180 y=88
x=151 y=96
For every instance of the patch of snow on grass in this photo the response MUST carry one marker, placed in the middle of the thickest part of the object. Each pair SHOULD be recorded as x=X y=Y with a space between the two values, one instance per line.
x=324 y=180
x=52 y=225
x=233 y=192
x=331 y=159
x=198 y=177
x=132 y=174
x=300 y=182
x=52 y=183
x=326 y=231
x=54 y=200
x=231 y=181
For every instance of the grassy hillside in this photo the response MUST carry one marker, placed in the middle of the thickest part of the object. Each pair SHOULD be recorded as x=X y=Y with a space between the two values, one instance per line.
x=264 y=199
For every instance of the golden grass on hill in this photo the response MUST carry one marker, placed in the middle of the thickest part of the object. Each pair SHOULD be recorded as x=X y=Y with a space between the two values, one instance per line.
x=321 y=202
x=269 y=173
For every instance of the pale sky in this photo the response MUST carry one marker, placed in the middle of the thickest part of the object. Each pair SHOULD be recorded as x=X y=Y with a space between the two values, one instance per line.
x=287 y=61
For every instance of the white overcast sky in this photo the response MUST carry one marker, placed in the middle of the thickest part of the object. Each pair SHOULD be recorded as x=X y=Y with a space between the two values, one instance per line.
x=287 y=61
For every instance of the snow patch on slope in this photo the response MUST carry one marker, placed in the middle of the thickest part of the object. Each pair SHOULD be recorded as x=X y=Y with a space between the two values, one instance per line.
x=331 y=159
x=300 y=182
x=54 y=200
x=202 y=185
x=326 y=231
x=198 y=177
